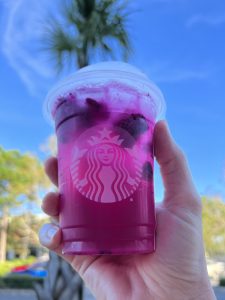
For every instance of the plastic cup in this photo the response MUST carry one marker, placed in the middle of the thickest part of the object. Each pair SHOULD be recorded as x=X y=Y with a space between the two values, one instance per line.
x=104 y=117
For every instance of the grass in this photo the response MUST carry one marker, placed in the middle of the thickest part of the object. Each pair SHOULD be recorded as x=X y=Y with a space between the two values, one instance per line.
x=7 y=266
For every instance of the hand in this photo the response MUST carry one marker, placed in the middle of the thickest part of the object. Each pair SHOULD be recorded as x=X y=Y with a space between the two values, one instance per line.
x=177 y=270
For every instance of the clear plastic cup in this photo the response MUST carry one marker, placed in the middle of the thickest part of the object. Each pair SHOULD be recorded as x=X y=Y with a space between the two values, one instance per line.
x=104 y=117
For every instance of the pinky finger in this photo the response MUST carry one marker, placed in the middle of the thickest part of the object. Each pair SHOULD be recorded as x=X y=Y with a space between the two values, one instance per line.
x=50 y=236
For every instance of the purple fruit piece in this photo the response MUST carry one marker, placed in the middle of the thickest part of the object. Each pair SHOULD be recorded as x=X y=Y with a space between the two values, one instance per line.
x=93 y=104
x=147 y=171
x=135 y=124
x=96 y=111
x=71 y=97
x=102 y=252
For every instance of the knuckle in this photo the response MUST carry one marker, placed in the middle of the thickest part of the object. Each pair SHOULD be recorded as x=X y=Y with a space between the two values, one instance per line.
x=43 y=207
x=47 y=163
x=198 y=204
x=51 y=195
x=46 y=200
x=195 y=204
x=180 y=155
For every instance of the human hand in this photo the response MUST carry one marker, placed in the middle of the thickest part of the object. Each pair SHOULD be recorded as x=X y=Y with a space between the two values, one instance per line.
x=177 y=269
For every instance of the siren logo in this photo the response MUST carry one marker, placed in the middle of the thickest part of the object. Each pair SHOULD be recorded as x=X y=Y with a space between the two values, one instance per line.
x=102 y=170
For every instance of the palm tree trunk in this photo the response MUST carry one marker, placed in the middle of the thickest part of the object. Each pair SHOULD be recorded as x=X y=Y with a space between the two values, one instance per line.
x=81 y=61
x=3 y=233
x=82 y=55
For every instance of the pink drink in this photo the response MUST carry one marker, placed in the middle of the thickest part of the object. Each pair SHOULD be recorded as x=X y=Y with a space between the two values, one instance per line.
x=104 y=128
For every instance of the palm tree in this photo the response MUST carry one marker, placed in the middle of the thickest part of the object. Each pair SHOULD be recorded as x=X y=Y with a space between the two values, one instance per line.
x=87 y=27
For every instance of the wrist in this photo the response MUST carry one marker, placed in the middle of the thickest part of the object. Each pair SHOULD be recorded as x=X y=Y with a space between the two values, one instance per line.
x=205 y=295
x=201 y=290
x=205 y=291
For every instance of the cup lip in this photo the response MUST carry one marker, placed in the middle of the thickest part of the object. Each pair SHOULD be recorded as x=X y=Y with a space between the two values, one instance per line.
x=134 y=78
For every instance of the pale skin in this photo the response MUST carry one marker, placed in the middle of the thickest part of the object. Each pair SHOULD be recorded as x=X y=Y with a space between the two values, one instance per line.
x=177 y=269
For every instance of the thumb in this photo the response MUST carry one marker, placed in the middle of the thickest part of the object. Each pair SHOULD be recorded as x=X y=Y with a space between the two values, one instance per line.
x=177 y=180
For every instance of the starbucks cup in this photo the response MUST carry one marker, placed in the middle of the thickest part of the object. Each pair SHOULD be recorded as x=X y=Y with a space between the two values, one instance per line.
x=104 y=117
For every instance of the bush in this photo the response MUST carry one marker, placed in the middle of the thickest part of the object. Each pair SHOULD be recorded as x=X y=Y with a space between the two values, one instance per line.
x=222 y=281
x=19 y=281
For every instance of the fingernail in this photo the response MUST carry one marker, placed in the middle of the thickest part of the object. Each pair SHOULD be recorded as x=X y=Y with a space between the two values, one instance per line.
x=47 y=233
x=51 y=232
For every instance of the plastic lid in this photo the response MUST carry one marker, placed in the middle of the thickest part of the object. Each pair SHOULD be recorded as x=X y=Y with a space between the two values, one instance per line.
x=100 y=74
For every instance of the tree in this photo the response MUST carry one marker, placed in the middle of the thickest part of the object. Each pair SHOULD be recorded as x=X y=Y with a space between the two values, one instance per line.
x=21 y=178
x=213 y=216
x=86 y=26
x=23 y=233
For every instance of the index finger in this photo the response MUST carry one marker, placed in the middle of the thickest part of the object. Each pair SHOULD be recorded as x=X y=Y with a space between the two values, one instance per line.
x=51 y=169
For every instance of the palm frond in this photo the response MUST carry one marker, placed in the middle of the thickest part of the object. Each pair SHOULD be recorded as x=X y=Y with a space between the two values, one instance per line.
x=58 y=42
x=71 y=15
x=86 y=26
x=85 y=7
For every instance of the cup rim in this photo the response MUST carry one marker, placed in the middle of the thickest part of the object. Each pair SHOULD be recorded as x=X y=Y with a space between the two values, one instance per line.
x=135 y=78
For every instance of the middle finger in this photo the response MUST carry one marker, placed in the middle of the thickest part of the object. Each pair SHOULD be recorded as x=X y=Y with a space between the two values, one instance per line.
x=50 y=204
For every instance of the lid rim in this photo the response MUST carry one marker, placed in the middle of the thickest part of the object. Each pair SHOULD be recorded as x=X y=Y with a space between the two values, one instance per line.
x=113 y=75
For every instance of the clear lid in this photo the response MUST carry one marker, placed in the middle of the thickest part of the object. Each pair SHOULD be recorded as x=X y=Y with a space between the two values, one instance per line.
x=99 y=75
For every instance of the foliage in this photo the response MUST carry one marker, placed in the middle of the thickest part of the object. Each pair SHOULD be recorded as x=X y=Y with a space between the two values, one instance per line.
x=7 y=266
x=214 y=225
x=21 y=179
x=19 y=282
x=222 y=281
x=85 y=26
x=23 y=233
x=21 y=176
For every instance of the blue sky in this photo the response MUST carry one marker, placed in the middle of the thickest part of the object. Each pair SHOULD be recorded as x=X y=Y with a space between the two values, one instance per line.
x=179 y=44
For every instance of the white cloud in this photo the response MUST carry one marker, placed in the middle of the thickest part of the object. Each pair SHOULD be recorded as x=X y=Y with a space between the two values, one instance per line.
x=169 y=73
x=21 y=43
x=177 y=75
x=215 y=20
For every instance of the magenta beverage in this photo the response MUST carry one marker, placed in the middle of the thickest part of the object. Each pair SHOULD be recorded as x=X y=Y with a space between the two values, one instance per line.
x=104 y=118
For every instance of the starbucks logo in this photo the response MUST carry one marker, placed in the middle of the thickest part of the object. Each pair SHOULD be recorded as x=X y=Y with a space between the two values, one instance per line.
x=102 y=170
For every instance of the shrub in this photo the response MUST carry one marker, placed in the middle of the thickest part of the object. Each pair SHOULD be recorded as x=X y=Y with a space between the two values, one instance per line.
x=222 y=281
x=19 y=281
